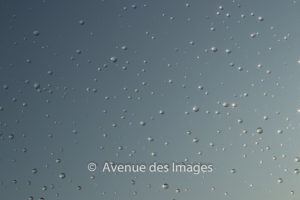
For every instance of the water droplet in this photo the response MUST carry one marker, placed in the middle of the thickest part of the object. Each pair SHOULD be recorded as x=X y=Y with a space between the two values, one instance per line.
x=142 y=123
x=200 y=87
x=214 y=49
x=195 y=140
x=161 y=112
x=36 y=86
x=62 y=175
x=195 y=108
x=81 y=22
x=36 y=33
x=34 y=171
x=165 y=186
x=78 y=51
x=114 y=125
x=260 y=18
x=150 y=139
x=252 y=35
x=191 y=42
x=113 y=59
x=228 y=51
x=225 y=104
x=188 y=132
x=259 y=130
x=11 y=136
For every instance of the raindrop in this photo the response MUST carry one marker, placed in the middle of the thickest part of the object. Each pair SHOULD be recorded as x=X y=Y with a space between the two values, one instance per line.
x=195 y=140
x=62 y=175
x=188 y=132
x=161 y=112
x=225 y=104
x=228 y=51
x=78 y=187
x=195 y=108
x=36 y=33
x=165 y=186
x=252 y=35
x=11 y=136
x=113 y=59
x=142 y=123
x=81 y=22
x=34 y=171
x=259 y=130
x=214 y=49
x=150 y=139
x=260 y=18
x=36 y=86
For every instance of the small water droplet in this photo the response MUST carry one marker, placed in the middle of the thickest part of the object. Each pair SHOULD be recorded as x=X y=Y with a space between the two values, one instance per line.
x=195 y=108
x=36 y=33
x=165 y=186
x=214 y=49
x=113 y=59
x=62 y=175
x=259 y=130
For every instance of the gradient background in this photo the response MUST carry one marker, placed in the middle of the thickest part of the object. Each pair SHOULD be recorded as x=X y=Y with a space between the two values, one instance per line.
x=82 y=94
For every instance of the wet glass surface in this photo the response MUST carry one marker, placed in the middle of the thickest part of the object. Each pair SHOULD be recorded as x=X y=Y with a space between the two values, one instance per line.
x=138 y=82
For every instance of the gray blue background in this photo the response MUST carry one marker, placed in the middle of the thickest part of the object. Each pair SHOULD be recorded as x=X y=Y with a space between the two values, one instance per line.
x=81 y=94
